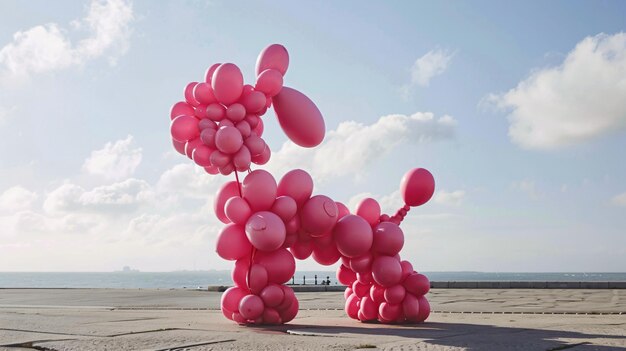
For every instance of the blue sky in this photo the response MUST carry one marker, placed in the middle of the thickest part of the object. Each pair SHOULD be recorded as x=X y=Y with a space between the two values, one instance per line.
x=518 y=109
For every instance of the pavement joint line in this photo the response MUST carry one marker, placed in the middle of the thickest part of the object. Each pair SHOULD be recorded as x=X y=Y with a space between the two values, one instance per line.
x=197 y=344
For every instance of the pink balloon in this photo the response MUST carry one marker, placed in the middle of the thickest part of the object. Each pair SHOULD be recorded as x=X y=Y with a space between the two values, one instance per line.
x=361 y=263
x=265 y=231
x=395 y=294
x=274 y=56
x=326 y=256
x=318 y=215
x=244 y=128
x=351 y=307
x=238 y=318
x=389 y=311
x=254 y=101
x=215 y=112
x=424 y=309
x=228 y=190
x=262 y=158
x=407 y=269
x=191 y=145
x=242 y=159
x=290 y=313
x=239 y=274
x=257 y=278
x=272 y=295
x=417 y=187
x=203 y=93
x=280 y=265
x=386 y=271
x=258 y=130
x=208 y=137
x=353 y=236
x=182 y=108
x=237 y=210
x=368 y=308
x=388 y=239
x=251 y=307
x=410 y=307
x=293 y=225
x=253 y=120
x=269 y=82
x=259 y=189
x=227 y=83
x=364 y=278
x=200 y=111
x=189 y=94
x=206 y=123
x=343 y=210
x=227 y=169
x=301 y=250
x=417 y=284
x=236 y=112
x=208 y=74
x=347 y=293
x=231 y=298
x=299 y=118
x=360 y=289
x=184 y=128
x=201 y=155
x=255 y=144
x=345 y=275
x=232 y=243
x=271 y=316
x=225 y=123
x=219 y=159
x=179 y=146
x=369 y=209
x=285 y=207
x=228 y=140
x=289 y=298
x=377 y=293
x=212 y=170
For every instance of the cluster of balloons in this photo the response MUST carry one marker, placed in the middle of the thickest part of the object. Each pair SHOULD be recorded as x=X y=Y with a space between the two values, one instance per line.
x=219 y=124
x=268 y=224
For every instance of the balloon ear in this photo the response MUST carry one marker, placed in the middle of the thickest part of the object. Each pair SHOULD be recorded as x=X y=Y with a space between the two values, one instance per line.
x=299 y=118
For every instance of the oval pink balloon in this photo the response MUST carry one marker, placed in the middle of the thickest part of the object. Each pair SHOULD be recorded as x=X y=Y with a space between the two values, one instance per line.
x=351 y=307
x=201 y=155
x=407 y=269
x=395 y=294
x=368 y=308
x=251 y=307
x=228 y=140
x=182 y=108
x=369 y=209
x=189 y=94
x=228 y=190
x=390 y=312
x=353 y=236
x=259 y=189
x=239 y=275
x=206 y=123
x=236 y=112
x=417 y=284
x=361 y=263
x=231 y=298
x=318 y=215
x=274 y=56
x=237 y=210
x=271 y=316
x=424 y=309
x=191 y=145
x=360 y=289
x=280 y=265
x=254 y=102
x=269 y=82
x=417 y=187
x=377 y=293
x=184 y=128
x=227 y=83
x=257 y=278
x=203 y=93
x=272 y=295
x=215 y=112
x=208 y=137
x=326 y=256
x=263 y=157
x=232 y=243
x=244 y=129
x=296 y=184
x=285 y=207
x=266 y=231
x=343 y=210
x=179 y=146
x=386 y=270
x=208 y=75
x=388 y=239
x=301 y=250
x=345 y=275
x=220 y=159
x=255 y=144
x=299 y=118
x=242 y=159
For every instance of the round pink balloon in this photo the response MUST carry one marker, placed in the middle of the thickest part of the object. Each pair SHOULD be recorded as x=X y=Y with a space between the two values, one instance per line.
x=257 y=278
x=244 y=129
x=395 y=294
x=280 y=265
x=254 y=102
x=259 y=189
x=208 y=74
x=253 y=120
x=417 y=187
x=203 y=93
x=262 y=158
x=299 y=118
x=239 y=274
x=424 y=309
x=274 y=56
x=390 y=312
x=289 y=298
x=231 y=298
x=345 y=275
x=291 y=312
x=201 y=155
x=236 y=112
x=228 y=190
x=368 y=308
x=271 y=316
x=369 y=209
x=301 y=249
x=361 y=263
x=386 y=270
x=417 y=284
x=377 y=293
x=206 y=123
x=228 y=140
x=242 y=159
x=410 y=307
x=272 y=295
x=213 y=170
x=182 y=108
x=269 y=82
x=237 y=210
x=227 y=169
x=255 y=144
x=296 y=184
x=285 y=207
x=215 y=112
x=353 y=236
x=258 y=130
x=347 y=293
x=265 y=231
x=179 y=146
x=191 y=145
x=360 y=289
x=227 y=83
x=251 y=307
x=388 y=239
x=352 y=307
x=220 y=159
x=208 y=137
x=407 y=269
x=232 y=243
x=318 y=215
x=343 y=210
x=326 y=256
x=184 y=128
x=364 y=278
x=189 y=94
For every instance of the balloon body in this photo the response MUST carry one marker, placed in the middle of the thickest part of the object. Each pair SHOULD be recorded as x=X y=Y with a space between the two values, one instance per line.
x=424 y=309
x=275 y=57
x=215 y=112
x=388 y=239
x=386 y=270
x=417 y=284
x=237 y=210
x=285 y=207
x=417 y=187
x=257 y=278
x=345 y=275
x=227 y=83
x=236 y=112
x=368 y=308
x=272 y=295
x=353 y=236
x=361 y=263
x=326 y=256
x=228 y=139
x=228 y=190
x=231 y=298
x=269 y=82
x=369 y=209
x=251 y=307
x=189 y=94
x=266 y=231
x=203 y=93
x=240 y=272
x=390 y=312
x=254 y=101
x=318 y=215
x=184 y=128
x=259 y=189
x=280 y=265
x=182 y=108
x=395 y=294
x=301 y=250
x=351 y=307
x=232 y=243
x=296 y=184
x=299 y=118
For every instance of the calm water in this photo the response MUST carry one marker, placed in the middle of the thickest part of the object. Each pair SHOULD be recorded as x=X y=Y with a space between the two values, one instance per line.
x=195 y=279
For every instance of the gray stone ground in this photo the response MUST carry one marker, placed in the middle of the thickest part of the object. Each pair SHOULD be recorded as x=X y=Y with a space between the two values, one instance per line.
x=108 y=319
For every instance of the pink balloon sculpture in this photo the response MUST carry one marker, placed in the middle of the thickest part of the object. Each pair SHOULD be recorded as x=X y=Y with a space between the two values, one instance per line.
x=269 y=224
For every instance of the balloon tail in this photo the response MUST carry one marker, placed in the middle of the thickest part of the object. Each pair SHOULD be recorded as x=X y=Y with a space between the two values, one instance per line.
x=238 y=183
x=400 y=214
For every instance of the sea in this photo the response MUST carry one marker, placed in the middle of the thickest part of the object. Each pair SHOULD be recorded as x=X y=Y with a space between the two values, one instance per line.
x=202 y=279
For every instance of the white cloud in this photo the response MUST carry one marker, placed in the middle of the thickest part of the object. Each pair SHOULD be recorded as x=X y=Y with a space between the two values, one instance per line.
x=17 y=199
x=619 y=200
x=432 y=64
x=354 y=146
x=6 y=113
x=47 y=47
x=580 y=100
x=529 y=188
x=116 y=160
x=450 y=198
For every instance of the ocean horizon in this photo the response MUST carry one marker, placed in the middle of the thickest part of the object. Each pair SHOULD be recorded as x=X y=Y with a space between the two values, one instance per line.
x=133 y=279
